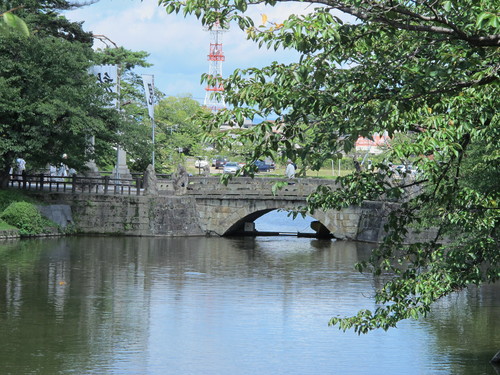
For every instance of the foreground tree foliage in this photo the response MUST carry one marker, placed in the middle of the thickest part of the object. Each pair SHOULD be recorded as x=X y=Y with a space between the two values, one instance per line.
x=430 y=68
x=10 y=22
x=49 y=103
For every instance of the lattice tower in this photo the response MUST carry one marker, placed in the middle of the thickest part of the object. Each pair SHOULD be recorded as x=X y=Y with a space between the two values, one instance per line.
x=215 y=60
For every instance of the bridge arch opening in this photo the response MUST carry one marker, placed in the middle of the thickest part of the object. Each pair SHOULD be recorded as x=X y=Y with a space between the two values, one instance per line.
x=276 y=222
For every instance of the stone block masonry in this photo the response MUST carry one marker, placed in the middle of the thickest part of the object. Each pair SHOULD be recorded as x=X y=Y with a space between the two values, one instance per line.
x=130 y=215
x=217 y=212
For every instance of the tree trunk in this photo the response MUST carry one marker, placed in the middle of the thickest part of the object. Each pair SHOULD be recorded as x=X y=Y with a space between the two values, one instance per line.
x=4 y=179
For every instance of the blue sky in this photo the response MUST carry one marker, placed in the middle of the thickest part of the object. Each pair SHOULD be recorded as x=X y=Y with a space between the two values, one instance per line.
x=178 y=46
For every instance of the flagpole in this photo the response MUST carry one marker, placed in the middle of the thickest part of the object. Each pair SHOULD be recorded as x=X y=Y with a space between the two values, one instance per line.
x=153 y=119
x=153 y=137
x=148 y=81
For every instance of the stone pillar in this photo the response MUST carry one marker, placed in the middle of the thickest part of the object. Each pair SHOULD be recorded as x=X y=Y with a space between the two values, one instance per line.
x=92 y=170
x=121 y=170
x=206 y=170
x=181 y=180
x=150 y=181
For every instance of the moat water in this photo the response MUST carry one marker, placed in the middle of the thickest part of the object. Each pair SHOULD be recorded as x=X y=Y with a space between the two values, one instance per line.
x=220 y=306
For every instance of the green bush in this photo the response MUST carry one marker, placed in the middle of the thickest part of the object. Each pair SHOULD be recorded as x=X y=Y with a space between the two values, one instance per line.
x=25 y=217
x=9 y=196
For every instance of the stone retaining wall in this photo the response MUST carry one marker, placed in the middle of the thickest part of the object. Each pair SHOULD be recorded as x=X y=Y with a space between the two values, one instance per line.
x=130 y=215
x=9 y=234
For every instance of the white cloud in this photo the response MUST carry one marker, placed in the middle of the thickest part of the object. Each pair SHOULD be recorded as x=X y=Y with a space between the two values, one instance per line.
x=178 y=47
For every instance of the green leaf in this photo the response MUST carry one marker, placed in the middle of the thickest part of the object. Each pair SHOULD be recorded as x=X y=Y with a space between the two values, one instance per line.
x=482 y=17
x=16 y=23
x=241 y=5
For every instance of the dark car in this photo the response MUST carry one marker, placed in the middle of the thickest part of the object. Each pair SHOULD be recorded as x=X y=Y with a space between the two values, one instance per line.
x=220 y=161
x=262 y=166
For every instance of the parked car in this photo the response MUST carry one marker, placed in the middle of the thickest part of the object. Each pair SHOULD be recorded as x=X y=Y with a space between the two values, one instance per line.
x=220 y=159
x=262 y=166
x=219 y=162
x=231 y=167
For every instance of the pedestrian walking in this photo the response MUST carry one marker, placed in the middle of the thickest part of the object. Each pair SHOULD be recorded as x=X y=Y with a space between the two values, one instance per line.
x=290 y=169
x=52 y=172
x=20 y=167
x=62 y=170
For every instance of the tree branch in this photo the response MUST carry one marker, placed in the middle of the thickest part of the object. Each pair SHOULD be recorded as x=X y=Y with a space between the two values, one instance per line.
x=380 y=17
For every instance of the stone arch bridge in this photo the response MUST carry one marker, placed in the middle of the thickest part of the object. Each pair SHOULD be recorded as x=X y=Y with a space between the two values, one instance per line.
x=203 y=207
x=225 y=209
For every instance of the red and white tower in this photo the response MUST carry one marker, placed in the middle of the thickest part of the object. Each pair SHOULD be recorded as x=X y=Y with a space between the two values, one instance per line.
x=215 y=58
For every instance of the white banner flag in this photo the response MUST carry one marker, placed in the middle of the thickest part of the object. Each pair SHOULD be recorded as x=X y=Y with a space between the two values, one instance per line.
x=107 y=74
x=149 y=88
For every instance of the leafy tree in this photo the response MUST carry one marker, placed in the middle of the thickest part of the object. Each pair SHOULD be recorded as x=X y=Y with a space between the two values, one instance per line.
x=49 y=104
x=427 y=67
x=135 y=137
x=177 y=129
x=44 y=19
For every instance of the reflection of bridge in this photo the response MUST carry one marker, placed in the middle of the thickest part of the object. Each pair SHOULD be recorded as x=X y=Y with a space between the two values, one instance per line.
x=204 y=206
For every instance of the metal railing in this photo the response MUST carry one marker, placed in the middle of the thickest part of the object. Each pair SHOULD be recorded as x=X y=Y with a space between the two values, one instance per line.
x=78 y=184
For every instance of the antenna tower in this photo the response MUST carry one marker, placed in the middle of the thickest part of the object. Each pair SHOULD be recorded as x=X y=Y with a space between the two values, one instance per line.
x=215 y=59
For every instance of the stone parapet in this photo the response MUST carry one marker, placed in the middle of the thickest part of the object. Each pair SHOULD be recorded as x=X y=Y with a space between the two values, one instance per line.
x=254 y=187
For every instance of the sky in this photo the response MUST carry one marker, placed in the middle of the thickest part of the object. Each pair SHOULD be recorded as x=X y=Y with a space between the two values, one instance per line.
x=178 y=46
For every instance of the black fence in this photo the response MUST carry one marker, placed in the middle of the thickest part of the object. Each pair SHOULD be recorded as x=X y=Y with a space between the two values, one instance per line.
x=78 y=184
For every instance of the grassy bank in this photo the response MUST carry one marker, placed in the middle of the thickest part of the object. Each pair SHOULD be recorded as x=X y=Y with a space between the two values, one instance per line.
x=18 y=212
x=5 y=226
x=327 y=171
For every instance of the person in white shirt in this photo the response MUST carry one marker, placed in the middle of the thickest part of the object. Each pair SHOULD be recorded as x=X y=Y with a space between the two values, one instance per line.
x=290 y=169
x=20 y=166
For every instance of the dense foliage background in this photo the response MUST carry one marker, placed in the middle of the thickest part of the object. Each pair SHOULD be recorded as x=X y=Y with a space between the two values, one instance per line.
x=426 y=69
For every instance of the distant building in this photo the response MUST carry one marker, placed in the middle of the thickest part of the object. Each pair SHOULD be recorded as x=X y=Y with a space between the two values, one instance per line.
x=376 y=145
x=246 y=124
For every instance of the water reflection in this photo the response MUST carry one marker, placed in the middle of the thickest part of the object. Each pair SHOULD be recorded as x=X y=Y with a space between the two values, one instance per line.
x=95 y=305
x=465 y=328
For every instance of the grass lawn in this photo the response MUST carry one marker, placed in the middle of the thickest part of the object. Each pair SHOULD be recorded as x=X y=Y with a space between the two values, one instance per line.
x=279 y=172
x=5 y=226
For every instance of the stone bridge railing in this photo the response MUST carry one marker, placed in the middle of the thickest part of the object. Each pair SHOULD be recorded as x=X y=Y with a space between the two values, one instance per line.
x=252 y=188
x=198 y=186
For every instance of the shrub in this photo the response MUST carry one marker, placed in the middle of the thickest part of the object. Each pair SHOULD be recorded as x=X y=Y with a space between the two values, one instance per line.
x=9 y=196
x=25 y=217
